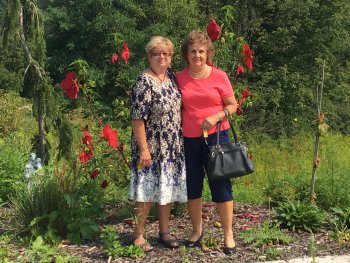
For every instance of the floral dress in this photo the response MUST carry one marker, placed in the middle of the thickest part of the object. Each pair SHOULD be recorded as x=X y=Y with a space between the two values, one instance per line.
x=159 y=105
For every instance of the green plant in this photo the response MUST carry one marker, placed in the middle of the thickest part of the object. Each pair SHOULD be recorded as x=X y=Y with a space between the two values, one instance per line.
x=299 y=216
x=184 y=256
x=52 y=209
x=312 y=248
x=41 y=197
x=273 y=253
x=341 y=220
x=111 y=244
x=266 y=235
x=38 y=251
x=342 y=236
x=210 y=241
x=5 y=252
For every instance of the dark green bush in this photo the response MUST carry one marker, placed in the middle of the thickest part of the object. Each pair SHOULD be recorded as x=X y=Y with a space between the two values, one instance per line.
x=299 y=216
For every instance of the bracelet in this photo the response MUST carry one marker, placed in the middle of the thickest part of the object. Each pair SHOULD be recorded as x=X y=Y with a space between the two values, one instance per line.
x=219 y=116
x=227 y=113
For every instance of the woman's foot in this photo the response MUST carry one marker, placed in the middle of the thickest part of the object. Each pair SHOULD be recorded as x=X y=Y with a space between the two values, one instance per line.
x=230 y=245
x=140 y=241
x=194 y=240
x=167 y=240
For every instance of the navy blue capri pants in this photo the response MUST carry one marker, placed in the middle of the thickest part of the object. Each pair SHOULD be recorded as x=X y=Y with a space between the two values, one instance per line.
x=196 y=155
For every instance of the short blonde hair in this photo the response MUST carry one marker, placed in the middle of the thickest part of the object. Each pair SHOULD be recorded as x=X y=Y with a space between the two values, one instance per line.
x=159 y=41
x=201 y=38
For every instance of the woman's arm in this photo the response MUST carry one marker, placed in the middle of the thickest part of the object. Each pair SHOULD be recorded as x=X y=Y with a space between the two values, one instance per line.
x=230 y=104
x=138 y=127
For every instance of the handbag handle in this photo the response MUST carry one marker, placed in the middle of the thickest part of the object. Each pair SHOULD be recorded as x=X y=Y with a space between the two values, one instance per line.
x=218 y=126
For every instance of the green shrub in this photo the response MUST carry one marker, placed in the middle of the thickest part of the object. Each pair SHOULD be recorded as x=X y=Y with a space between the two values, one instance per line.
x=266 y=235
x=42 y=197
x=14 y=152
x=111 y=244
x=298 y=216
x=341 y=220
x=56 y=208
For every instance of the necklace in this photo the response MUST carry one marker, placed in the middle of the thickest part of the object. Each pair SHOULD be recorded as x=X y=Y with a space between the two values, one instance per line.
x=161 y=81
x=200 y=74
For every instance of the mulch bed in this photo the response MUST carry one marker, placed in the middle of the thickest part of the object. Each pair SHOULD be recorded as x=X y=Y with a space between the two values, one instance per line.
x=246 y=217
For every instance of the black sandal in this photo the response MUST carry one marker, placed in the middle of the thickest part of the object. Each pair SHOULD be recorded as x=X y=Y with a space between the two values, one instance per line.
x=230 y=250
x=192 y=244
x=170 y=243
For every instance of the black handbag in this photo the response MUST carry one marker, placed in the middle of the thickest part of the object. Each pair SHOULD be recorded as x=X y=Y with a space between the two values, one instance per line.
x=228 y=160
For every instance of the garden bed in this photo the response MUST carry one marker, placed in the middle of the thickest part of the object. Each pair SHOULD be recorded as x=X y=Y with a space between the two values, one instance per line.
x=246 y=217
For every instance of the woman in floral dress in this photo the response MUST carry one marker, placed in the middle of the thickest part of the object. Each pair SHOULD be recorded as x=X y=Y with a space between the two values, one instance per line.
x=158 y=164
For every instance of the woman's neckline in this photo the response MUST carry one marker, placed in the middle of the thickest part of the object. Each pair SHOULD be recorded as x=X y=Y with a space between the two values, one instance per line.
x=205 y=76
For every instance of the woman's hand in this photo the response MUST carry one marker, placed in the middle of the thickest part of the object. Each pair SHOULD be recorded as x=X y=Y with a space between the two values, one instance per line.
x=145 y=158
x=209 y=122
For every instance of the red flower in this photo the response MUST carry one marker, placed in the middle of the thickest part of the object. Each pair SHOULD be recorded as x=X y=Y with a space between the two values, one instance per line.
x=70 y=86
x=87 y=139
x=246 y=93
x=247 y=56
x=239 y=111
x=114 y=58
x=213 y=30
x=95 y=173
x=104 y=184
x=240 y=70
x=85 y=156
x=125 y=52
x=110 y=135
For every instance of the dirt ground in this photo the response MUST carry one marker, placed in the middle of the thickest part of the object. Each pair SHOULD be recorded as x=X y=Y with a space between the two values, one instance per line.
x=245 y=217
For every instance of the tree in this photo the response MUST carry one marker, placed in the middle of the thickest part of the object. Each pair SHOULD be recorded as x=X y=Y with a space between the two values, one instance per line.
x=24 y=18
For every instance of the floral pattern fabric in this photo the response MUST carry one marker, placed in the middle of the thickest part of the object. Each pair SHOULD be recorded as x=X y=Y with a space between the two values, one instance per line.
x=159 y=105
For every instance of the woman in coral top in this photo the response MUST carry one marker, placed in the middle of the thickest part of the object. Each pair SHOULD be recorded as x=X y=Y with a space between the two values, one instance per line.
x=207 y=97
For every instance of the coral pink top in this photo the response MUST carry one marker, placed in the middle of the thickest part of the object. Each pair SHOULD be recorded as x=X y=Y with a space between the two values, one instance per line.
x=202 y=98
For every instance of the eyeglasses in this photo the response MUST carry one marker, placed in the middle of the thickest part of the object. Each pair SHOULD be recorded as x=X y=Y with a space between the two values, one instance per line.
x=158 y=54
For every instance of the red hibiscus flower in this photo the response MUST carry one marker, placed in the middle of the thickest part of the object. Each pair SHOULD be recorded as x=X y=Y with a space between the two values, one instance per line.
x=240 y=70
x=87 y=139
x=239 y=111
x=110 y=135
x=114 y=58
x=213 y=30
x=246 y=93
x=125 y=52
x=104 y=184
x=85 y=156
x=70 y=86
x=247 y=56
x=95 y=173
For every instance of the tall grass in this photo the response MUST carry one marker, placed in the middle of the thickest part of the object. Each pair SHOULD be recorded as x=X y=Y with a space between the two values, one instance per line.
x=283 y=171
x=41 y=197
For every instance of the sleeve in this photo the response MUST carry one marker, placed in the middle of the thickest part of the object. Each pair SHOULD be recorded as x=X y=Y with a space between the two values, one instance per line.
x=141 y=96
x=226 y=89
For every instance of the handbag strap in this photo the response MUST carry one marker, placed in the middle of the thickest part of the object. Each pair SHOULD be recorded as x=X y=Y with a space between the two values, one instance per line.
x=218 y=126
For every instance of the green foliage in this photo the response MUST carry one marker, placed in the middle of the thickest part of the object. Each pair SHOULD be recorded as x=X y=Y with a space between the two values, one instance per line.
x=58 y=207
x=5 y=252
x=342 y=236
x=284 y=166
x=266 y=235
x=341 y=220
x=17 y=127
x=273 y=253
x=33 y=201
x=38 y=251
x=111 y=244
x=299 y=217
